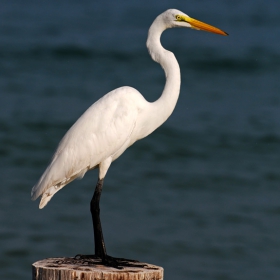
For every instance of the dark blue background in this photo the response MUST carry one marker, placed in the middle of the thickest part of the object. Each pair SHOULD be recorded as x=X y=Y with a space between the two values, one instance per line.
x=200 y=196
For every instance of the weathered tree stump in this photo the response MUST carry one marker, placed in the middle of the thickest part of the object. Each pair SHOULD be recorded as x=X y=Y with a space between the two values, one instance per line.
x=72 y=269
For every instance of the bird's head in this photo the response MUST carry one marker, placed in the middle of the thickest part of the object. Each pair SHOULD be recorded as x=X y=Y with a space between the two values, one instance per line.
x=176 y=18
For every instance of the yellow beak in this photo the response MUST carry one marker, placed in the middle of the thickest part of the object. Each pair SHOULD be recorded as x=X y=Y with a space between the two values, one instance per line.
x=199 y=25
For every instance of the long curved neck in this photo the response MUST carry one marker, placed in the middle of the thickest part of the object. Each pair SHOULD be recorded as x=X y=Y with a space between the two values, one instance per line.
x=164 y=106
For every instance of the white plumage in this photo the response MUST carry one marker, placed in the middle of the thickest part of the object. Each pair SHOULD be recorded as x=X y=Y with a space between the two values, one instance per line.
x=98 y=137
x=118 y=119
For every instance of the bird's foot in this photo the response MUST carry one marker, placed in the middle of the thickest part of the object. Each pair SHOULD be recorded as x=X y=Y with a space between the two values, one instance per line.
x=107 y=260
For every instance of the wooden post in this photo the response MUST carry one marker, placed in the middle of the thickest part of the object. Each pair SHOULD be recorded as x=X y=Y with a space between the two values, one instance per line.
x=71 y=269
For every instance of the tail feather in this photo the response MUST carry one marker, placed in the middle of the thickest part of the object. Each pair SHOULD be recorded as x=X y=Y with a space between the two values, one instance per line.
x=48 y=192
x=47 y=196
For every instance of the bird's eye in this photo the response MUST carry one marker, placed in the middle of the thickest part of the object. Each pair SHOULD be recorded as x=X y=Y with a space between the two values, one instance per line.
x=178 y=17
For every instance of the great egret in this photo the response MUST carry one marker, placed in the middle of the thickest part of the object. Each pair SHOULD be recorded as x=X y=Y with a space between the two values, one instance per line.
x=113 y=123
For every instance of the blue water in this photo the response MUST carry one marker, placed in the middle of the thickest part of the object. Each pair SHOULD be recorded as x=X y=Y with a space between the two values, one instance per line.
x=200 y=196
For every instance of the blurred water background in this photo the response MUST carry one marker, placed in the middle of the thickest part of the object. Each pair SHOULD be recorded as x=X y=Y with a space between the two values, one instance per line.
x=200 y=196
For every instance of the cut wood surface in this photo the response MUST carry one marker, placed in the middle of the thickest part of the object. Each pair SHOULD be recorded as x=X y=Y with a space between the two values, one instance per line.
x=72 y=269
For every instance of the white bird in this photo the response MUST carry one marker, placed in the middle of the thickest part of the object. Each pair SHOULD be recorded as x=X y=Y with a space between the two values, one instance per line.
x=113 y=123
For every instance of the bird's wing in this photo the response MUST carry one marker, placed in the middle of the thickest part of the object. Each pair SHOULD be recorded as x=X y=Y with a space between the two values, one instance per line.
x=101 y=132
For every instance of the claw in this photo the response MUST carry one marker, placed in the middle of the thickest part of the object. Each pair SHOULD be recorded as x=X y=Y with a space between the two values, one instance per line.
x=83 y=257
x=118 y=263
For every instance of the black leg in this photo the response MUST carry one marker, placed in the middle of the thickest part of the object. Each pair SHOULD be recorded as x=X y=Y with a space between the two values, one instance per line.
x=100 y=249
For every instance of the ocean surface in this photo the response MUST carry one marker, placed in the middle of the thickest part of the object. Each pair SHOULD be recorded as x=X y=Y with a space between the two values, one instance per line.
x=201 y=195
